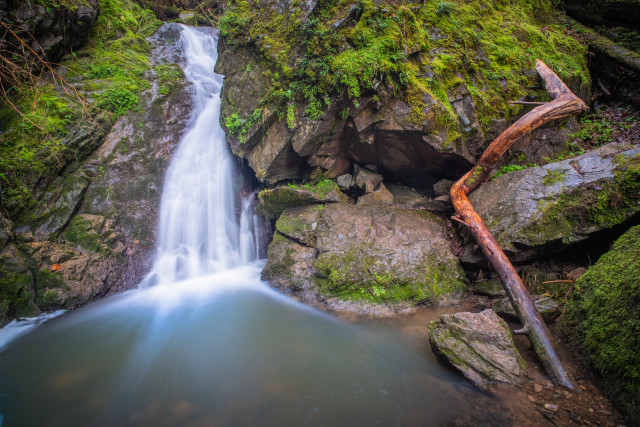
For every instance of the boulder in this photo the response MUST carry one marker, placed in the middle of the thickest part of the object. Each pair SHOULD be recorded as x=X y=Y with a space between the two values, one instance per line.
x=364 y=253
x=479 y=346
x=602 y=321
x=538 y=211
x=272 y=202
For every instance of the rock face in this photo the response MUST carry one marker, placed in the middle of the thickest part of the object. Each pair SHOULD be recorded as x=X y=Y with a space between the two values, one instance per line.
x=479 y=346
x=58 y=30
x=602 y=321
x=370 y=254
x=97 y=220
x=538 y=211
x=304 y=95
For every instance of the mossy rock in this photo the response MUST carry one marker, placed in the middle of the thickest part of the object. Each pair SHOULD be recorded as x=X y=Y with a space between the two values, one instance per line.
x=364 y=254
x=272 y=202
x=479 y=346
x=602 y=321
x=541 y=210
x=418 y=86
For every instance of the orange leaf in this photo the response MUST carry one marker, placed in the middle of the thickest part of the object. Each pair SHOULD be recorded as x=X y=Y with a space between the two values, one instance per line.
x=55 y=267
x=135 y=241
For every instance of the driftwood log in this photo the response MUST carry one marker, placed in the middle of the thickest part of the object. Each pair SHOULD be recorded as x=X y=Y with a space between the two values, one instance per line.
x=564 y=104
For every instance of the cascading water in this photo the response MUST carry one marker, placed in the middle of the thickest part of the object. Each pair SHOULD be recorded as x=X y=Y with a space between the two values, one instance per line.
x=203 y=341
x=199 y=232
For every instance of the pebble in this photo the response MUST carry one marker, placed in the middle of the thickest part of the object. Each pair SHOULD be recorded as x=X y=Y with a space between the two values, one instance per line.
x=582 y=387
x=537 y=388
x=551 y=407
x=531 y=398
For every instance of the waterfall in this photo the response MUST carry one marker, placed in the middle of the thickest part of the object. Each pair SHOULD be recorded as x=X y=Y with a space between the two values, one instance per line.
x=199 y=229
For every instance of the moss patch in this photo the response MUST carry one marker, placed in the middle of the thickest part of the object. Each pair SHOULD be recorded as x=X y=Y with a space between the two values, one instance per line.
x=272 y=202
x=354 y=275
x=597 y=206
x=603 y=320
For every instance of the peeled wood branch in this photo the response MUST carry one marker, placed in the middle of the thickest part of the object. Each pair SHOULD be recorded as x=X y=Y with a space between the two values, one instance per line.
x=564 y=104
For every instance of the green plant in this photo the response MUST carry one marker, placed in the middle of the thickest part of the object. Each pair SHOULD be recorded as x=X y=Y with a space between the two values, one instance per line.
x=118 y=100
x=444 y=8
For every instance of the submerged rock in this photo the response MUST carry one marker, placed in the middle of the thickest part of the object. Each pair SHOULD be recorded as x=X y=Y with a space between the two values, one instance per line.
x=538 y=211
x=479 y=346
x=362 y=253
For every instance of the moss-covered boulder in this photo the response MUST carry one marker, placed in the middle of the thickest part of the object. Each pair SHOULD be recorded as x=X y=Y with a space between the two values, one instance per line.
x=417 y=89
x=273 y=201
x=479 y=346
x=541 y=210
x=338 y=252
x=602 y=321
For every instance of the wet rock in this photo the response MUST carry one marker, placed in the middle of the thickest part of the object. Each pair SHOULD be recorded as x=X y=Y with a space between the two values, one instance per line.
x=273 y=159
x=56 y=207
x=272 y=202
x=491 y=288
x=359 y=253
x=405 y=197
x=539 y=211
x=546 y=306
x=479 y=346
x=17 y=288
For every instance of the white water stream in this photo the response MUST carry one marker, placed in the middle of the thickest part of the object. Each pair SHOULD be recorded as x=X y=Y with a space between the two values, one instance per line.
x=204 y=341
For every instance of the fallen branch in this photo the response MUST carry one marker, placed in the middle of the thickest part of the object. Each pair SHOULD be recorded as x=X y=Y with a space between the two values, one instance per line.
x=564 y=104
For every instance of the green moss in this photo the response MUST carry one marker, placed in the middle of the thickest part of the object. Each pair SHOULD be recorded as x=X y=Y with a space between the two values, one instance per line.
x=272 y=202
x=591 y=208
x=420 y=52
x=16 y=297
x=602 y=320
x=169 y=77
x=79 y=231
x=476 y=173
x=354 y=275
x=553 y=176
